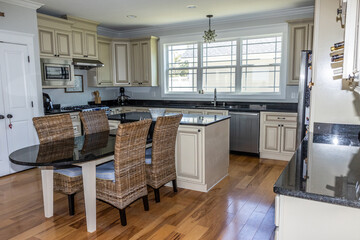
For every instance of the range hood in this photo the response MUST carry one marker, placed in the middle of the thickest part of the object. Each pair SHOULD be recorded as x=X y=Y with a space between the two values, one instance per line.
x=86 y=63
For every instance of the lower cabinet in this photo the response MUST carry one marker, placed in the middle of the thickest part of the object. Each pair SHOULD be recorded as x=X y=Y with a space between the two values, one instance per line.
x=189 y=155
x=113 y=124
x=75 y=118
x=277 y=135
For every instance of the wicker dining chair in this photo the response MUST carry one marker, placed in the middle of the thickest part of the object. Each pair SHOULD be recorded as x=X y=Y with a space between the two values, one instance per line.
x=124 y=181
x=160 y=159
x=94 y=122
x=58 y=128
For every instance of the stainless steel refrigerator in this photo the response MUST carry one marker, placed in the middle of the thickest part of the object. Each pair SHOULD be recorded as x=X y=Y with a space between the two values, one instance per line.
x=304 y=96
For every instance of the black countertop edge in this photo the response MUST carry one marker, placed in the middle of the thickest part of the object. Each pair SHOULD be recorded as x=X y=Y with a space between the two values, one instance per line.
x=119 y=117
x=317 y=197
x=336 y=129
x=58 y=111
x=230 y=106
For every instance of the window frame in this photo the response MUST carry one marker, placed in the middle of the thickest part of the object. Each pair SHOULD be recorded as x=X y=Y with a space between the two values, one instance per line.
x=228 y=35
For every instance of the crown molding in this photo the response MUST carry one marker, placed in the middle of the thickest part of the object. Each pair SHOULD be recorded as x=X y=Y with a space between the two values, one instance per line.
x=200 y=23
x=24 y=3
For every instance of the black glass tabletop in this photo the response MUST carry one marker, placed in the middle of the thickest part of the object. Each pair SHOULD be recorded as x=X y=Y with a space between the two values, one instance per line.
x=68 y=151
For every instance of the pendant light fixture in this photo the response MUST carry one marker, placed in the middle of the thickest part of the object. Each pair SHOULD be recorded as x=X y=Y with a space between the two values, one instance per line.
x=209 y=35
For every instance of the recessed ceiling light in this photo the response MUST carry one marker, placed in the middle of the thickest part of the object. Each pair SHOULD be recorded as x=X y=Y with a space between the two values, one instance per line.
x=131 y=16
x=191 y=6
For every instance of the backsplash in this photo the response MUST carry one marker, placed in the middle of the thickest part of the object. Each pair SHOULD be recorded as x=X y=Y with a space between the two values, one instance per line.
x=58 y=96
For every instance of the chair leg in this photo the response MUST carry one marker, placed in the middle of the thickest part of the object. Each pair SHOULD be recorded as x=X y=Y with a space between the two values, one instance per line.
x=157 y=195
x=71 y=201
x=146 y=203
x=174 y=185
x=123 y=217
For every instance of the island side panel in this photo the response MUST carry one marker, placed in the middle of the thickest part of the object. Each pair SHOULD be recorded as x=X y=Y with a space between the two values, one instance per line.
x=216 y=148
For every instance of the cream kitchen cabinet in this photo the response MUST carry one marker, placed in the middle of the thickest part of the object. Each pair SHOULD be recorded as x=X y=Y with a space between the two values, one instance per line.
x=121 y=63
x=144 y=62
x=113 y=124
x=75 y=118
x=102 y=77
x=55 y=38
x=84 y=38
x=301 y=38
x=277 y=135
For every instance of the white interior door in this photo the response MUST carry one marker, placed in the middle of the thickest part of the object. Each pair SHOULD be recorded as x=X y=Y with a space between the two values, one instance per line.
x=17 y=100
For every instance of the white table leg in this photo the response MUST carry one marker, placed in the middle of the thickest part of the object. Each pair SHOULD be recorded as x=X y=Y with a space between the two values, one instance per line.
x=47 y=180
x=89 y=181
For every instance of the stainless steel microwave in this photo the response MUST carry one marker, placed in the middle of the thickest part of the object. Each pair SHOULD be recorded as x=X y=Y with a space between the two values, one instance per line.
x=57 y=73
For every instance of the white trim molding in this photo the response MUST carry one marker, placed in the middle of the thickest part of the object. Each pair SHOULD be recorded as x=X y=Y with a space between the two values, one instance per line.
x=24 y=3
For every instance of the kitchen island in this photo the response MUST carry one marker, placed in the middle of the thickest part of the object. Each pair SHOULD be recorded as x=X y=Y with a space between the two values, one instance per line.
x=202 y=148
x=318 y=193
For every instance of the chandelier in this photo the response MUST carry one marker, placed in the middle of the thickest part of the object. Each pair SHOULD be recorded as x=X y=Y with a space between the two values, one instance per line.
x=209 y=35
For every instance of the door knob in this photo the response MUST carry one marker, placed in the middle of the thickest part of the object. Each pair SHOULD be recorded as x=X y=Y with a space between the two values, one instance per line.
x=9 y=116
x=2 y=117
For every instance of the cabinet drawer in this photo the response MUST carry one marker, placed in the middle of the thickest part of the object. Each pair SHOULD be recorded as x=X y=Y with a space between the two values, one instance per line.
x=74 y=116
x=77 y=129
x=277 y=118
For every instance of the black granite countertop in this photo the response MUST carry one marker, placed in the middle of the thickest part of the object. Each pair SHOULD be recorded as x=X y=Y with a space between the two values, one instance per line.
x=325 y=167
x=230 y=106
x=187 y=119
x=59 y=111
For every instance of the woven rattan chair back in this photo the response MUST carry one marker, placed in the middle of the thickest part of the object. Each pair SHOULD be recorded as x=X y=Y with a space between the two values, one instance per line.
x=129 y=165
x=94 y=122
x=162 y=167
x=53 y=128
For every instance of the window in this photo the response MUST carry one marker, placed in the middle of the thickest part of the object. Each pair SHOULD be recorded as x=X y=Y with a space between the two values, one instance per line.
x=182 y=68
x=219 y=66
x=260 y=64
x=246 y=65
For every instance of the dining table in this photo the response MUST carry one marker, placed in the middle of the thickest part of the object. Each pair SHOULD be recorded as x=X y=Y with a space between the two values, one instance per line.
x=85 y=151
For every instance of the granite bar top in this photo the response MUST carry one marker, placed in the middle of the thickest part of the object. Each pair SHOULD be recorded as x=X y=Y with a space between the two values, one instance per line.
x=230 y=106
x=325 y=167
x=187 y=119
x=59 y=111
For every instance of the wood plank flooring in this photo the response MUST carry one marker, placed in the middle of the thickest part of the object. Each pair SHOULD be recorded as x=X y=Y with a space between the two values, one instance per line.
x=239 y=207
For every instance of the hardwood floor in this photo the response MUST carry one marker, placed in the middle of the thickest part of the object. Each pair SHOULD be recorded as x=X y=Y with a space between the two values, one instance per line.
x=239 y=207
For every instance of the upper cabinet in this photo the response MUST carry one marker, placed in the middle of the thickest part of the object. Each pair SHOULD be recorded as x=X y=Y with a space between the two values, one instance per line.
x=54 y=37
x=121 y=63
x=144 y=62
x=84 y=38
x=102 y=77
x=301 y=38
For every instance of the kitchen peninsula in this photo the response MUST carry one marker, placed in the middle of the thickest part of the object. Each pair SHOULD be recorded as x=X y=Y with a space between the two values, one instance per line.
x=318 y=193
x=202 y=148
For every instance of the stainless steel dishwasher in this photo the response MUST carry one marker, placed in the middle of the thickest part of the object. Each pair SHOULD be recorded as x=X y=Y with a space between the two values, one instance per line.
x=244 y=132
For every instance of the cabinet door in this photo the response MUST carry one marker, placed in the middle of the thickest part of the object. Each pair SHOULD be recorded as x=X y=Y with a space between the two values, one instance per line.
x=145 y=57
x=90 y=45
x=288 y=138
x=104 y=73
x=63 y=43
x=271 y=137
x=47 y=42
x=78 y=43
x=122 y=64
x=189 y=162
x=298 y=42
x=136 y=64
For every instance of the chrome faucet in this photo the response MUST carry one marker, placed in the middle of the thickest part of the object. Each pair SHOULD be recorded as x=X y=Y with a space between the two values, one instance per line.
x=214 y=98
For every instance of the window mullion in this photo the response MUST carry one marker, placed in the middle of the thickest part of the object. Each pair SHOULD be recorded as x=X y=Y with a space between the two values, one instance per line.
x=199 y=68
x=238 y=68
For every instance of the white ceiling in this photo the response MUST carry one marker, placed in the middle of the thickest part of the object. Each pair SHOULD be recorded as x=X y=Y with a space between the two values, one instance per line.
x=112 y=13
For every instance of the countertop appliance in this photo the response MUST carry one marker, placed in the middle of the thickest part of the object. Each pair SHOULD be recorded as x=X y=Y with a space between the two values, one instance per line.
x=122 y=99
x=244 y=132
x=305 y=84
x=48 y=105
x=57 y=72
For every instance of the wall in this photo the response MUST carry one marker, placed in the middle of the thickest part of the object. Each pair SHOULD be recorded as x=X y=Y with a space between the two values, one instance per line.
x=24 y=20
x=58 y=96
x=220 y=25
x=329 y=103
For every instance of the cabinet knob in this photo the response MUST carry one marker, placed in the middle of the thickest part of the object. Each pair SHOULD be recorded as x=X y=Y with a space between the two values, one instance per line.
x=2 y=116
x=199 y=130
